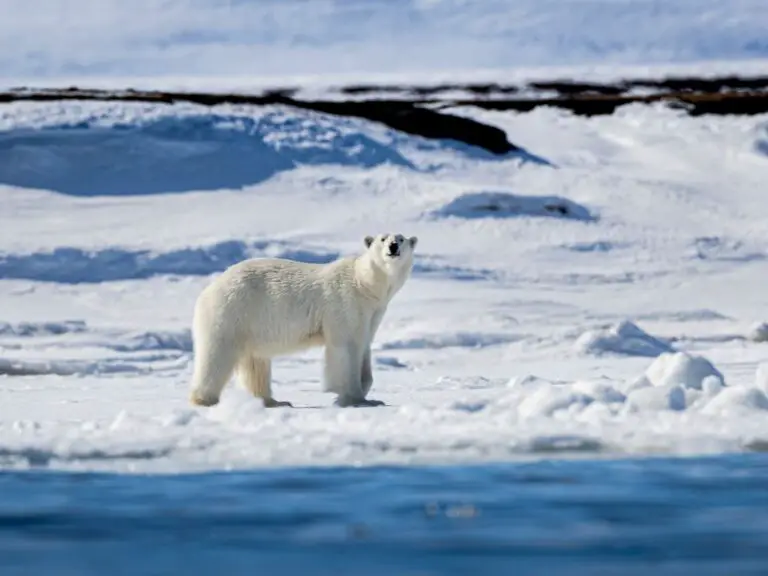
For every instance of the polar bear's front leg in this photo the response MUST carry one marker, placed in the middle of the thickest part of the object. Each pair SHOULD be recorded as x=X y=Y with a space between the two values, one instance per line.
x=343 y=371
x=367 y=373
x=366 y=379
x=343 y=366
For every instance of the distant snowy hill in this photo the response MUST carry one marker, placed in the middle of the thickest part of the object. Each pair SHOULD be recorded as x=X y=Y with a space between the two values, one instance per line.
x=47 y=39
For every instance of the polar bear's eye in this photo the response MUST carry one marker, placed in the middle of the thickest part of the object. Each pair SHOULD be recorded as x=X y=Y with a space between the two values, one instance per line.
x=399 y=238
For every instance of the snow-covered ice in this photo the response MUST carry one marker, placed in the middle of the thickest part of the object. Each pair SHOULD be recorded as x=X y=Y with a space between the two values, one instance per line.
x=601 y=293
x=525 y=336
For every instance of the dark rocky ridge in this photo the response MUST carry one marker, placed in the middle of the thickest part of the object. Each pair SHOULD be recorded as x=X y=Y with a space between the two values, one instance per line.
x=696 y=104
x=403 y=116
x=415 y=111
x=570 y=87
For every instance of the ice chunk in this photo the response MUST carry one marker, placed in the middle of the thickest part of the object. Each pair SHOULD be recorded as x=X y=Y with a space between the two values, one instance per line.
x=622 y=338
x=736 y=399
x=682 y=368
x=668 y=397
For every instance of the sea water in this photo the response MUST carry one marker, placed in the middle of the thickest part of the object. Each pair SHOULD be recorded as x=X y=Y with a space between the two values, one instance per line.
x=691 y=516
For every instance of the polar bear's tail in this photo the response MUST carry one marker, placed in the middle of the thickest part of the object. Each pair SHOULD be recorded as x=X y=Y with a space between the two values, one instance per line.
x=215 y=356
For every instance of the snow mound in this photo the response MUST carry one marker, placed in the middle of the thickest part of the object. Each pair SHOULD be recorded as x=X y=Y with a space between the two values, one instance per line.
x=506 y=205
x=623 y=338
x=683 y=369
x=673 y=382
x=758 y=332
x=139 y=149
x=735 y=400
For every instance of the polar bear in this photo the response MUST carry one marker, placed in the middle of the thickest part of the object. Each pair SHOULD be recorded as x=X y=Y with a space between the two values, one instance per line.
x=266 y=307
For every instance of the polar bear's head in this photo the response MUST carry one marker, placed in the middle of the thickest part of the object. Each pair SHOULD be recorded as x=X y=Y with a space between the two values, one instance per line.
x=392 y=252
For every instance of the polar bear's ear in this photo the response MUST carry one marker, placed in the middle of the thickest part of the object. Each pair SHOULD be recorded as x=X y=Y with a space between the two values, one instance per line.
x=368 y=241
x=413 y=240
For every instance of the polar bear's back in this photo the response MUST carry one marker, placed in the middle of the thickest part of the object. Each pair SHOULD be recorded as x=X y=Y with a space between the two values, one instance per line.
x=277 y=305
x=289 y=279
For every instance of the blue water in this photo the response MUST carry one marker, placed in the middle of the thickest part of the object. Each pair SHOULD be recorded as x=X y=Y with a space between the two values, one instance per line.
x=659 y=516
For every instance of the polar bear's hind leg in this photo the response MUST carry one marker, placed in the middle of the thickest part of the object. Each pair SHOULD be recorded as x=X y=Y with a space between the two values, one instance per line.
x=213 y=366
x=255 y=375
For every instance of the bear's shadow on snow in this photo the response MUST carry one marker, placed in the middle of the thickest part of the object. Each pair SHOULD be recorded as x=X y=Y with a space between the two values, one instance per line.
x=198 y=152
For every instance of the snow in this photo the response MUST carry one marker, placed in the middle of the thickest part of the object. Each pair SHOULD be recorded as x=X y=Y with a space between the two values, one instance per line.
x=517 y=337
x=599 y=294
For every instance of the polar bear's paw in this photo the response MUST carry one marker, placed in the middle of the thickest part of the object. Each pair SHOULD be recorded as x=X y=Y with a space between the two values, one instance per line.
x=272 y=403
x=202 y=400
x=344 y=402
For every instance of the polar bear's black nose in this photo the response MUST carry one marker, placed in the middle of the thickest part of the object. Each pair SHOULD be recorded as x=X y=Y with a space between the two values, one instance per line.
x=393 y=248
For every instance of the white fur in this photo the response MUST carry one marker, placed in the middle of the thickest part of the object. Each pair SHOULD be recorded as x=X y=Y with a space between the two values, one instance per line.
x=262 y=308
